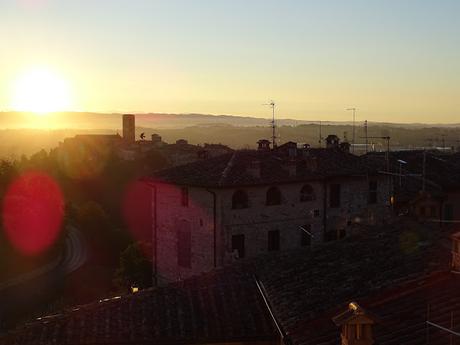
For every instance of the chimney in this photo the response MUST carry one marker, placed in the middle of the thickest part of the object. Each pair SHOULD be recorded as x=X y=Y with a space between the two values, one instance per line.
x=263 y=145
x=332 y=141
x=456 y=252
x=345 y=147
x=356 y=325
x=254 y=168
x=156 y=139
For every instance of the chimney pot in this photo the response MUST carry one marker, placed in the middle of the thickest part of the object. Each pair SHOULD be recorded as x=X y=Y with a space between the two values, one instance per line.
x=263 y=145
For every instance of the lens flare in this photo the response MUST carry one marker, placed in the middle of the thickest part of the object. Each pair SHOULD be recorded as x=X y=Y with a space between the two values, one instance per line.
x=137 y=210
x=33 y=210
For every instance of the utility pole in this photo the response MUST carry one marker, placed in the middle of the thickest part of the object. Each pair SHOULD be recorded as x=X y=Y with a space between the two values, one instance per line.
x=424 y=171
x=353 y=135
x=365 y=132
x=320 y=141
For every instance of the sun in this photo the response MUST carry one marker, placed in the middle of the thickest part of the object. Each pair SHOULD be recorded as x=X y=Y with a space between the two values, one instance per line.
x=40 y=91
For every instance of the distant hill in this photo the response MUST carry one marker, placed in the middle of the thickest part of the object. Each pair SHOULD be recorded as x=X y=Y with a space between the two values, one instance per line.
x=18 y=135
x=83 y=120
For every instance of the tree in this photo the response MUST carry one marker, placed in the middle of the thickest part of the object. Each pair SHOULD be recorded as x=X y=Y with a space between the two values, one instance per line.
x=135 y=268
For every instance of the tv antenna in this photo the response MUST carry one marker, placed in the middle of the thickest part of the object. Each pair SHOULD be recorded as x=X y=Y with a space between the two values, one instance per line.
x=272 y=105
x=320 y=141
x=353 y=135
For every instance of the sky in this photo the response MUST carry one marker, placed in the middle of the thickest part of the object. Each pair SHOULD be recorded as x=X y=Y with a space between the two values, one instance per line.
x=394 y=60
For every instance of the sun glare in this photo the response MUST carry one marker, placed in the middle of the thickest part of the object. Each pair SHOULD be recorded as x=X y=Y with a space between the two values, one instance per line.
x=40 y=91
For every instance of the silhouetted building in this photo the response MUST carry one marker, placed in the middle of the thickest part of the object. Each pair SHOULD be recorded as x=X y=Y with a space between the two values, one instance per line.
x=129 y=128
x=251 y=202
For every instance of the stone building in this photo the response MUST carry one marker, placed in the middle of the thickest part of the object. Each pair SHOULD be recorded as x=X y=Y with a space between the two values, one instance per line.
x=211 y=212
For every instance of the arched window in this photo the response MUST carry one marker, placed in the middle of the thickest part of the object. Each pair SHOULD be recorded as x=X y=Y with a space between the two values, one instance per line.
x=239 y=200
x=307 y=193
x=273 y=196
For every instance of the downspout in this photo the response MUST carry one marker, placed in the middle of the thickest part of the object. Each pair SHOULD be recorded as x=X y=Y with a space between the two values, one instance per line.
x=155 y=230
x=324 y=209
x=214 y=224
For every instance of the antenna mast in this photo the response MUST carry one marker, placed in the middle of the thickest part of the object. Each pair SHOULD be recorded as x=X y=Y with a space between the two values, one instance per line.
x=353 y=135
x=365 y=133
x=320 y=141
x=273 y=105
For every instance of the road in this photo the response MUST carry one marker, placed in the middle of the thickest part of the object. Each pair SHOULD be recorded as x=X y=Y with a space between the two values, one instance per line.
x=23 y=294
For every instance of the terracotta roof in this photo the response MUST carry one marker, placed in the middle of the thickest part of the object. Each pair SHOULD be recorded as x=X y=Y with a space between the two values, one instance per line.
x=302 y=286
x=197 y=310
x=232 y=169
x=402 y=317
x=441 y=170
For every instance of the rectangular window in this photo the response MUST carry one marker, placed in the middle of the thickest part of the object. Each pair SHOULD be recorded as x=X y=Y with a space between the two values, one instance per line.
x=238 y=245
x=184 y=196
x=273 y=240
x=372 y=198
x=433 y=211
x=184 y=247
x=422 y=211
x=334 y=195
x=316 y=213
x=305 y=235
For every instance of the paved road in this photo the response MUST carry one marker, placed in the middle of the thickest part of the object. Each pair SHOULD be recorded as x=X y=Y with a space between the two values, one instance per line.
x=23 y=294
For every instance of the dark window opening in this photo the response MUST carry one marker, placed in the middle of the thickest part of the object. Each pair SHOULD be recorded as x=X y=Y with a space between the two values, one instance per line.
x=333 y=235
x=238 y=245
x=316 y=213
x=334 y=195
x=239 y=200
x=273 y=240
x=305 y=235
x=422 y=211
x=307 y=193
x=433 y=212
x=184 y=196
x=372 y=199
x=273 y=196
x=184 y=245
x=201 y=222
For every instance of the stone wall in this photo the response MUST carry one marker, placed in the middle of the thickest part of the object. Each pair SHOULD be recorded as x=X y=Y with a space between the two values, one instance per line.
x=255 y=221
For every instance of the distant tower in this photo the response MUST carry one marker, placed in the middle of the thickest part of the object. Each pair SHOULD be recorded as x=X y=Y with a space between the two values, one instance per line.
x=129 y=126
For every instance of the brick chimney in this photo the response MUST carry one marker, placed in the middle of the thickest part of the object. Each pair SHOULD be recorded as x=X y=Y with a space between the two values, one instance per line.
x=263 y=145
x=456 y=252
x=254 y=168
x=332 y=141
x=345 y=146
x=356 y=326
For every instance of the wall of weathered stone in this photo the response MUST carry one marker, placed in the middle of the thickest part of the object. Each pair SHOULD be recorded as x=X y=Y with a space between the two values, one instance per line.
x=170 y=213
x=255 y=221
